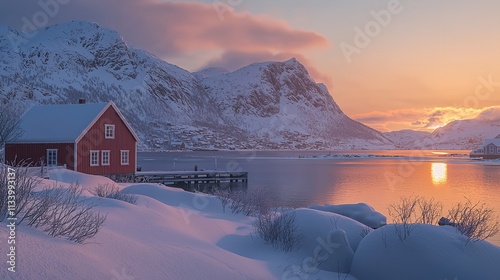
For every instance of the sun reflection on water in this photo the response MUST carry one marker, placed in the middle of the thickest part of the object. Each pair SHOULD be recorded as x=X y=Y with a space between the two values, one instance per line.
x=439 y=173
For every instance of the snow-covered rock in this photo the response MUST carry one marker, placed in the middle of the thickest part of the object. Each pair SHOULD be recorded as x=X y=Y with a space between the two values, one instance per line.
x=341 y=260
x=328 y=243
x=430 y=252
x=360 y=212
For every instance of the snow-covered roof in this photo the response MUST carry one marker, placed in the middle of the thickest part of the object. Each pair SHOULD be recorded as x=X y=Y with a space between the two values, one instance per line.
x=495 y=141
x=57 y=123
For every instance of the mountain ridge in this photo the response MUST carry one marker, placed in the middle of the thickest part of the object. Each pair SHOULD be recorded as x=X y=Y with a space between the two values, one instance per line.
x=267 y=105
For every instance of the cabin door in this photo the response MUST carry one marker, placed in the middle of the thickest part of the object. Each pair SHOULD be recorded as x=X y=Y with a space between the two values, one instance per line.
x=51 y=157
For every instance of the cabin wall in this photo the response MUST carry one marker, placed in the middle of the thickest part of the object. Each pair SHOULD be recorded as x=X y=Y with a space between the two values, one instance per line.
x=35 y=153
x=95 y=139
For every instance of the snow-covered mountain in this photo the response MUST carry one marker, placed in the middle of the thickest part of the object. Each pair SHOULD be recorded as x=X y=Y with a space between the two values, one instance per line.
x=465 y=134
x=279 y=101
x=263 y=105
x=460 y=134
x=406 y=138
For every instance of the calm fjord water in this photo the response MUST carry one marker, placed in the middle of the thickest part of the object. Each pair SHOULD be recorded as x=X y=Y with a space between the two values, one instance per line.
x=302 y=178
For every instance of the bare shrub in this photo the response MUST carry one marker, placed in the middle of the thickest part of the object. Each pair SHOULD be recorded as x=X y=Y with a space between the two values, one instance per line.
x=279 y=230
x=249 y=202
x=123 y=196
x=24 y=185
x=58 y=212
x=61 y=213
x=404 y=214
x=113 y=192
x=430 y=211
x=415 y=209
x=476 y=221
x=223 y=196
x=103 y=190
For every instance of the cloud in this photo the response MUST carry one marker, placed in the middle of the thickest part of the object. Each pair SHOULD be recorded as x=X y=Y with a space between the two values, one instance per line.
x=190 y=33
x=423 y=119
x=490 y=114
x=233 y=60
x=172 y=28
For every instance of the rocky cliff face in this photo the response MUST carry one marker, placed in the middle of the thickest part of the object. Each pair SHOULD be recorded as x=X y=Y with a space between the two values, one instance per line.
x=263 y=105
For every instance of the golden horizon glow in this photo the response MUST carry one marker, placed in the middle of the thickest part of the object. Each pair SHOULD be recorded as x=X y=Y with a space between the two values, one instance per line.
x=440 y=153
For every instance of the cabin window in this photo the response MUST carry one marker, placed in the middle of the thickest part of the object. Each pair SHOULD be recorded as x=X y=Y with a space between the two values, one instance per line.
x=104 y=157
x=492 y=149
x=109 y=131
x=94 y=158
x=51 y=157
x=124 y=157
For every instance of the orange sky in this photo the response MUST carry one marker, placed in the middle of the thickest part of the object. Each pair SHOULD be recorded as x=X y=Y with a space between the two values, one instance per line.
x=388 y=63
x=424 y=63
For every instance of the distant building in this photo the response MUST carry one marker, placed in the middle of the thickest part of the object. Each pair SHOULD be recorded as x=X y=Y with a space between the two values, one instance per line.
x=88 y=138
x=489 y=150
x=177 y=145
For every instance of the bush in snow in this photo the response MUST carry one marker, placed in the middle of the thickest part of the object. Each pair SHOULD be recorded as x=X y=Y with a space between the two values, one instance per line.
x=279 y=230
x=412 y=210
x=249 y=202
x=24 y=184
x=415 y=209
x=61 y=213
x=476 y=221
x=404 y=214
x=113 y=192
x=430 y=211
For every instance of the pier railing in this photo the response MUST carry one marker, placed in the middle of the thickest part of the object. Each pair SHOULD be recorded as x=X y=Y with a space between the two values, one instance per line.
x=195 y=180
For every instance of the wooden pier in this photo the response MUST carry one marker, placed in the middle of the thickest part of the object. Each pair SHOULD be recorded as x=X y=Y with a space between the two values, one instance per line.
x=195 y=180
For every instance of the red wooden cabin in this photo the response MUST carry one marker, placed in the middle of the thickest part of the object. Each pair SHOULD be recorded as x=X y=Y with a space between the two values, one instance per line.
x=88 y=138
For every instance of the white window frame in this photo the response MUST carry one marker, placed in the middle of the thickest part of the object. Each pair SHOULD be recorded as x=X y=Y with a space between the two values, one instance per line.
x=108 y=152
x=96 y=152
x=109 y=128
x=125 y=152
x=491 y=149
x=49 y=158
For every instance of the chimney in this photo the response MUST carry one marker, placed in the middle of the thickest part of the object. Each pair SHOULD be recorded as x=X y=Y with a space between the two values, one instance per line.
x=82 y=101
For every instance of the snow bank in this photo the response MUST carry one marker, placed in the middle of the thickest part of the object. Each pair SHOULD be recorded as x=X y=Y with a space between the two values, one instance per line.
x=173 y=234
x=86 y=181
x=430 y=252
x=360 y=212
x=150 y=240
x=329 y=242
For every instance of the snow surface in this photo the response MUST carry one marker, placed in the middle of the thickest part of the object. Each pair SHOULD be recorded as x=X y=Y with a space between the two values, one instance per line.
x=173 y=234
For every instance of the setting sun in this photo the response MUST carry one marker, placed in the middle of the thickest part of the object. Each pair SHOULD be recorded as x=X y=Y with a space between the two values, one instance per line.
x=439 y=172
